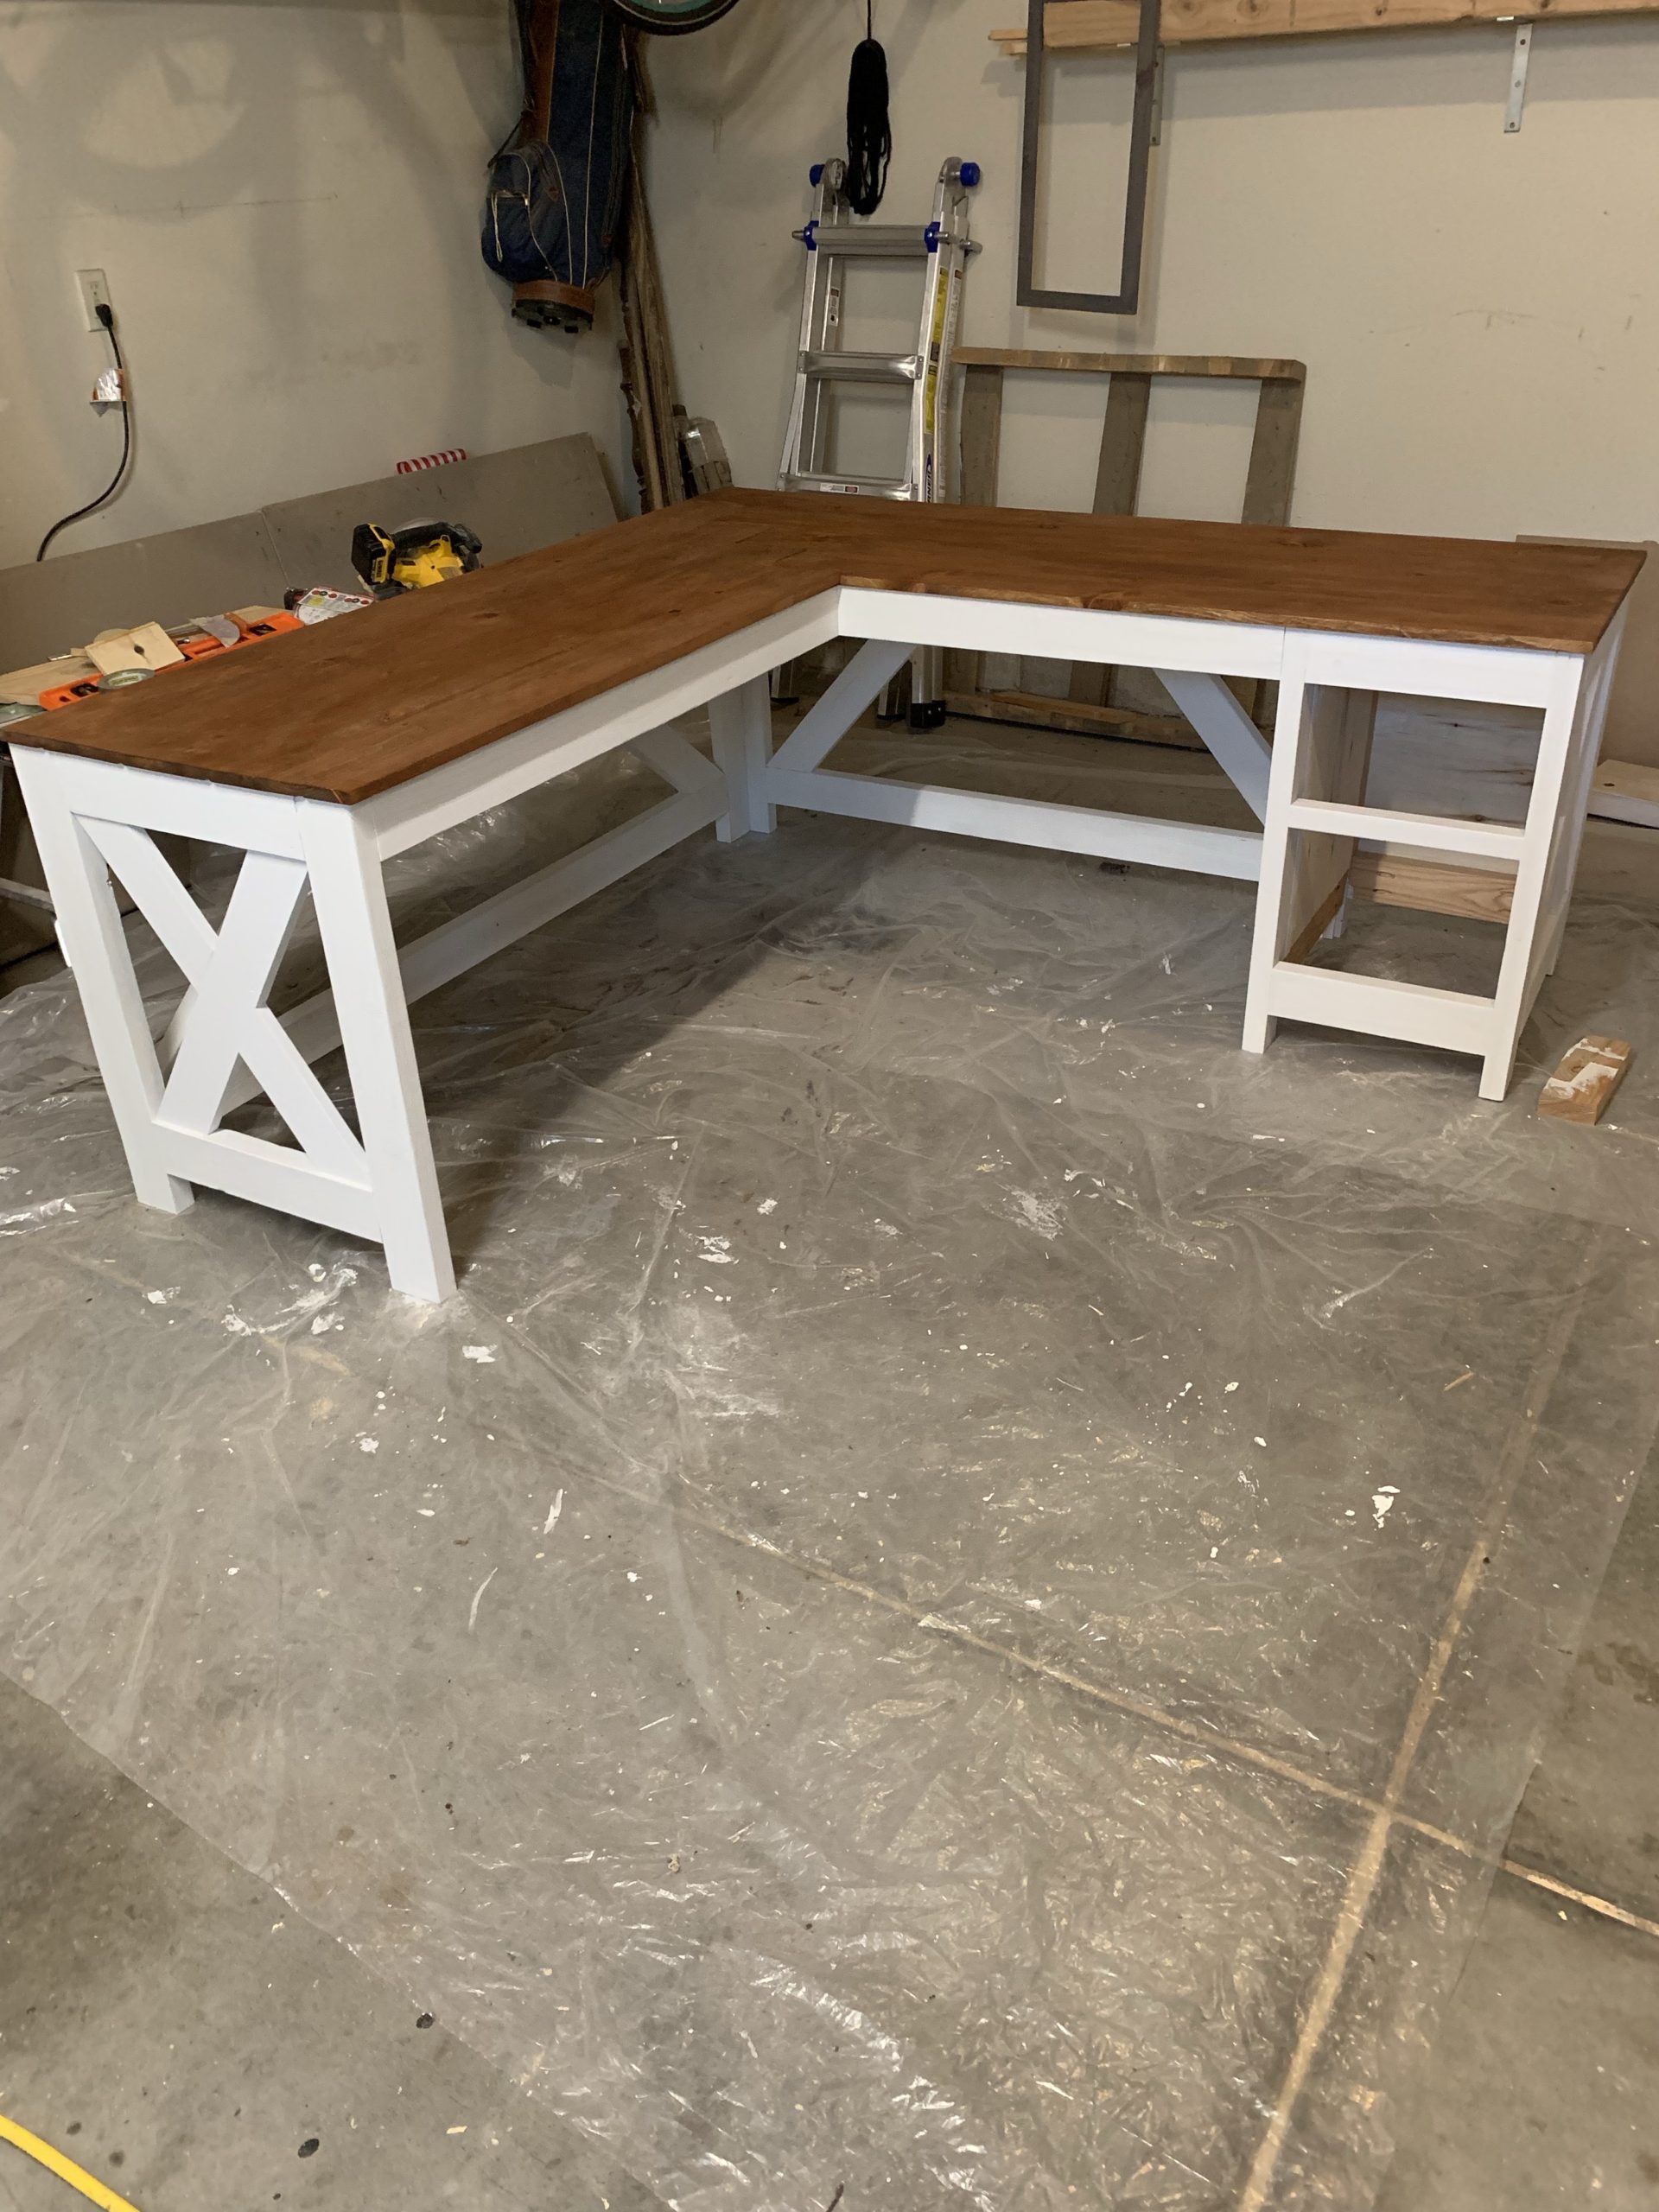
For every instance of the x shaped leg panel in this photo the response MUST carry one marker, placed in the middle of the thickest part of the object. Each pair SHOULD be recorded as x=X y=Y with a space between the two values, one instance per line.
x=224 y=1018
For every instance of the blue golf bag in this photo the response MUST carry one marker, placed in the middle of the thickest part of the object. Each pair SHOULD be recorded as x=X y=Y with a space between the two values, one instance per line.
x=558 y=186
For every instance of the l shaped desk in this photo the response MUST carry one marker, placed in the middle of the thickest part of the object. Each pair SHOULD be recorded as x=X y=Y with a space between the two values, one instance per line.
x=322 y=754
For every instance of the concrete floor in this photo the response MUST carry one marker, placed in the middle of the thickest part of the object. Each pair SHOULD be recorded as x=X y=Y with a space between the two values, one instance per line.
x=167 y=2020
x=992 y=1798
x=1543 y=2086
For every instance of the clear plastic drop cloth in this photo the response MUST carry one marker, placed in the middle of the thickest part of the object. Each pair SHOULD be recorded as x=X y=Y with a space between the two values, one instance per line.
x=957 y=1611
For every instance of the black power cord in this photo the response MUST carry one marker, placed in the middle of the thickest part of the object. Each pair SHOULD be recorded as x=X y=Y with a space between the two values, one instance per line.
x=105 y=315
x=869 y=136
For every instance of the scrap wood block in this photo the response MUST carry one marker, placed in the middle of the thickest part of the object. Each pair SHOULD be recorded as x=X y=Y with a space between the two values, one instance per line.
x=22 y=687
x=1626 y=790
x=1588 y=1077
x=146 y=645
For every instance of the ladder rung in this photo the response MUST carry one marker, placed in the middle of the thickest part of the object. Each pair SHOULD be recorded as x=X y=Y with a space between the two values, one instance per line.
x=1499 y=841
x=872 y=488
x=863 y=368
x=891 y=239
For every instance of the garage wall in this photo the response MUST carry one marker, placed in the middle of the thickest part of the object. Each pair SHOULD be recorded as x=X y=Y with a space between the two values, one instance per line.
x=285 y=201
x=1477 y=311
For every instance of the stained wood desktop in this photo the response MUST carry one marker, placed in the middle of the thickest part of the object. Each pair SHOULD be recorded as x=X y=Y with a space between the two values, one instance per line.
x=357 y=706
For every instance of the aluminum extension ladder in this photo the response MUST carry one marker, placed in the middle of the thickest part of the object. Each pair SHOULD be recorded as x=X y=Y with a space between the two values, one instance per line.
x=833 y=235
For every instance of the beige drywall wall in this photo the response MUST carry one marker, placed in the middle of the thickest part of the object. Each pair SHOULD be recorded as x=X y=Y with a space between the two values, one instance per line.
x=285 y=201
x=1478 y=312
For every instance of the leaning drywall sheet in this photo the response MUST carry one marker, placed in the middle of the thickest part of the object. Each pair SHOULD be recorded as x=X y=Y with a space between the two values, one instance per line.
x=534 y=495
x=53 y=606
x=516 y=502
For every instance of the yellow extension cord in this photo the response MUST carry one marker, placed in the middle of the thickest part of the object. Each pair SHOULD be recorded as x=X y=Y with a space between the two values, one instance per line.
x=95 y=2191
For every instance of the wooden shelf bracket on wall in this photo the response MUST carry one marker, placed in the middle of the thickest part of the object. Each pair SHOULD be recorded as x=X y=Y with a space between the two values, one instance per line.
x=1094 y=26
x=1100 y=26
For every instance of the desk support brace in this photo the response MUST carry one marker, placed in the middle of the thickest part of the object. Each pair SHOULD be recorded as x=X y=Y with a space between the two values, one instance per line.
x=741 y=724
x=793 y=776
x=1239 y=748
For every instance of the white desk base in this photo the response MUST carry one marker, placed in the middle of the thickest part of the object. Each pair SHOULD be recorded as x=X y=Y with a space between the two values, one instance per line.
x=225 y=1046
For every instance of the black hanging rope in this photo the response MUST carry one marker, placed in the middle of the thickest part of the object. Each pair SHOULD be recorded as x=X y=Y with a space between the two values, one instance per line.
x=869 y=134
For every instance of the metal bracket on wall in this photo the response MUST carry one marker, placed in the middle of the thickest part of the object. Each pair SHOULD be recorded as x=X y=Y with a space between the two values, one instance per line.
x=1518 y=67
x=1127 y=298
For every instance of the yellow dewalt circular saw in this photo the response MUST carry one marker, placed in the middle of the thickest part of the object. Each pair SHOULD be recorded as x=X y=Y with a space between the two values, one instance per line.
x=421 y=553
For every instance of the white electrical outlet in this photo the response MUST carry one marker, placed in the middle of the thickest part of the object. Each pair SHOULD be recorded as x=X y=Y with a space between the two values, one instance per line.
x=94 y=288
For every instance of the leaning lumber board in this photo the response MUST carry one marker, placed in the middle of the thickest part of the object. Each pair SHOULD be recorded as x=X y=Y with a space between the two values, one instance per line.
x=1243 y=367
x=1581 y=1087
x=1091 y=25
x=982 y=437
x=1117 y=487
x=1037 y=709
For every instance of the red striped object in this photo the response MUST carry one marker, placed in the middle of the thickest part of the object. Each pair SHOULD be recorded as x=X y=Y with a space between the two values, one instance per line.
x=432 y=459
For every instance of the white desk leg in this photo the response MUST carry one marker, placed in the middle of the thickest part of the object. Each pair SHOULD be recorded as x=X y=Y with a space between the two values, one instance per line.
x=1348 y=771
x=1598 y=684
x=1268 y=938
x=1322 y=749
x=1549 y=843
x=742 y=724
x=350 y=898
x=95 y=946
